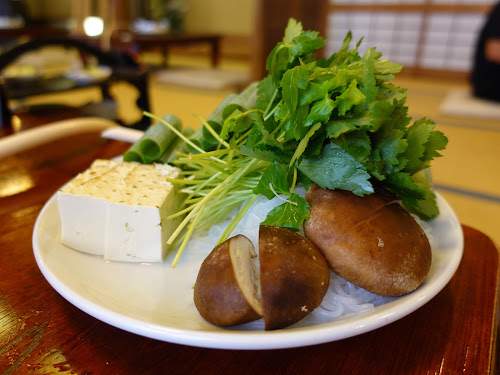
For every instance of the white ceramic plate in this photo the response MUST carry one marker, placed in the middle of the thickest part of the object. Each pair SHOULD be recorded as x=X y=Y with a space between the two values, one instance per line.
x=156 y=300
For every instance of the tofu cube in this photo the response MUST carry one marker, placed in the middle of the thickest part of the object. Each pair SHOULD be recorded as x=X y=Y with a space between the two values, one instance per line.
x=118 y=210
x=83 y=210
x=83 y=221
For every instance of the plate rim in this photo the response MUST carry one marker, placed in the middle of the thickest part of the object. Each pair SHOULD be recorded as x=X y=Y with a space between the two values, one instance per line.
x=252 y=340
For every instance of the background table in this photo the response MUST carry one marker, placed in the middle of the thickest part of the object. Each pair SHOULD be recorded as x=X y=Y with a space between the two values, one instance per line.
x=41 y=333
x=164 y=41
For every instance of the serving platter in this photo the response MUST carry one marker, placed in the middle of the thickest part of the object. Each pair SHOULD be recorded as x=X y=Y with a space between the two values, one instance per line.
x=156 y=300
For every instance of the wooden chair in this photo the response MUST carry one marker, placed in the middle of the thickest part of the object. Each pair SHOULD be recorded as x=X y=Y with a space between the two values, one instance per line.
x=123 y=67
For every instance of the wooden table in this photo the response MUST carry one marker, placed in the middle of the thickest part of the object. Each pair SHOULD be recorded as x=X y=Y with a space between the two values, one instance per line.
x=15 y=33
x=164 y=42
x=41 y=333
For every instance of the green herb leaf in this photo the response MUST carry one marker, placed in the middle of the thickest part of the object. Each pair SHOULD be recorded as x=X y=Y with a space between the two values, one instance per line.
x=320 y=111
x=391 y=143
x=209 y=141
x=273 y=181
x=418 y=136
x=350 y=97
x=426 y=208
x=297 y=44
x=278 y=62
x=293 y=30
x=294 y=79
x=294 y=127
x=265 y=94
x=358 y=145
x=405 y=187
x=306 y=43
x=385 y=69
x=237 y=123
x=259 y=136
x=369 y=84
x=315 y=91
x=335 y=168
x=336 y=128
x=303 y=143
x=289 y=215
x=437 y=141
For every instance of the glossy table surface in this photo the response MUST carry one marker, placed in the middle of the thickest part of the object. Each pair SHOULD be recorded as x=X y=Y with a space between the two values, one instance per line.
x=42 y=333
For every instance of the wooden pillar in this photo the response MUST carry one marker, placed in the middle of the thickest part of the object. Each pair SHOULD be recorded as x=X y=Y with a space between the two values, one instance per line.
x=79 y=11
x=116 y=16
x=114 y=13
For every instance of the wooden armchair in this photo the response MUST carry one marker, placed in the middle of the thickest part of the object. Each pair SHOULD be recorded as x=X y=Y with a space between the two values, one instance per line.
x=122 y=67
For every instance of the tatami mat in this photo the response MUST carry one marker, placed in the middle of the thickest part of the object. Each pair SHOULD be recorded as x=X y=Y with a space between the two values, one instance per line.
x=460 y=102
x=185 y=102
x=480 y=214
x=470 y=161
x=202 y=78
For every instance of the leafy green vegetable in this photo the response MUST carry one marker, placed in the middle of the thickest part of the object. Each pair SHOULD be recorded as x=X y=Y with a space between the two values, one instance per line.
x=335 y=168
x=338 y=122
x=296 y=44
x=289 y=215
x=274 y=181
x=427 y=208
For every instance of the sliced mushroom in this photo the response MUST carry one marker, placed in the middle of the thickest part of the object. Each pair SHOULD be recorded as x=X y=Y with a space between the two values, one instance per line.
x=227 y=292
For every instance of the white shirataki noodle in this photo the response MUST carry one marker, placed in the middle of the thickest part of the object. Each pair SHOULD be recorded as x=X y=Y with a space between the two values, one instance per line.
x=342 y=298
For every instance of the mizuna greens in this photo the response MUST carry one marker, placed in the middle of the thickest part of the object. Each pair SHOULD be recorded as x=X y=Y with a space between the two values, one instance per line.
x=337 y=122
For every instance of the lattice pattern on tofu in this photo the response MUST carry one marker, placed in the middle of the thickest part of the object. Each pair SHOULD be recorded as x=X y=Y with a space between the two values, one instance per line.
x=124 y=182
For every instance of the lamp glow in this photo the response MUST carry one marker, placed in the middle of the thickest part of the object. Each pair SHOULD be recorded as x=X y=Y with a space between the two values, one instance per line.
x=93 y=26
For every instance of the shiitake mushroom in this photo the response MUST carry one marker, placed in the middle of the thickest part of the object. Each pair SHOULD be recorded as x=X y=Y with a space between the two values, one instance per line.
x=371 y=241
x=288 y=281
x=294 y=276
x=226 y=292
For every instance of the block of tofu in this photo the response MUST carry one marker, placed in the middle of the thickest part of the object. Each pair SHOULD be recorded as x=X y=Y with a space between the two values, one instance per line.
x=118 y=210
x=83 y=210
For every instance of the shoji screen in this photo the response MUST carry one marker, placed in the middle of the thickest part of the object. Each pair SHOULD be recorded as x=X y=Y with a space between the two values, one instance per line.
x=425 y=36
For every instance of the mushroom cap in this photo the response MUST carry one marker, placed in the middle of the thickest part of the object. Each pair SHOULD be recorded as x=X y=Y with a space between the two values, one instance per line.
x=371 y=241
